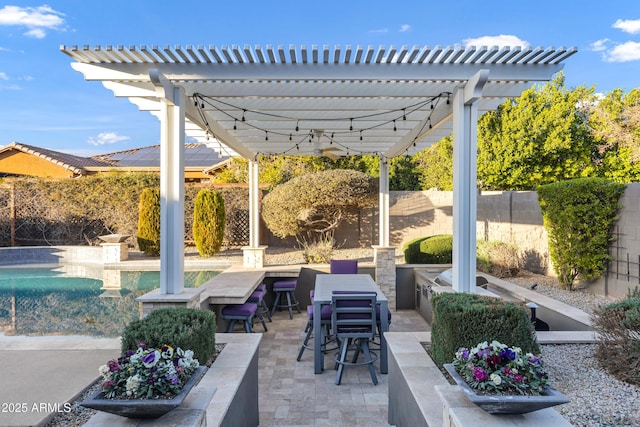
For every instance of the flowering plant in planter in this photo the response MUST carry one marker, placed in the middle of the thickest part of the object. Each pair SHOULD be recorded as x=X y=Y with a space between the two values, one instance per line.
x=148 y=373
x=496 y=368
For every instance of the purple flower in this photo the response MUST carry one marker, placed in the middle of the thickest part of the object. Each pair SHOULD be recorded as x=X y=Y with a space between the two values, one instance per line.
x=149 y=358
x=129 y=353
x=113 y=365
x=480 y=374
x=508 y=354
x=108 y=384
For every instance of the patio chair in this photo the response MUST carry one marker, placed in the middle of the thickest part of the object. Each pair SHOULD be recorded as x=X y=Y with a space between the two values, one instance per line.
x=353 y=321
x=344 y=266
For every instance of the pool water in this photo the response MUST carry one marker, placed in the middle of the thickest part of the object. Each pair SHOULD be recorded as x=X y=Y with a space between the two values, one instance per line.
x=63 y=301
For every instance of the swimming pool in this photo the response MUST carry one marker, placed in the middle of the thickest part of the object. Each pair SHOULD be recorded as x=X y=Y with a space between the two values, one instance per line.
x=72 y=300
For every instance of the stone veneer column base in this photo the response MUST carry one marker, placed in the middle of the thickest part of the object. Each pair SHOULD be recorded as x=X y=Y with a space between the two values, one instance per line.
x=189 y=298
x=385 y=262
x=114 y=252
x=253 y=257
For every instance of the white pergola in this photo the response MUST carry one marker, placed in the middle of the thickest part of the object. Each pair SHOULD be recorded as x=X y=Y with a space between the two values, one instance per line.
x=252 y=101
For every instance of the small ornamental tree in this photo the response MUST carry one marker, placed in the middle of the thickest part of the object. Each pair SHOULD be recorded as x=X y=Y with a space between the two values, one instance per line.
x=208 y=222
x=579 y=216
x=317 y=203
x=149 y=222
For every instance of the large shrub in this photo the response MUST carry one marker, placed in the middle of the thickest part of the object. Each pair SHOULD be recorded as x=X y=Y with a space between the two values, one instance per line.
x=618 y=345
x=579 y=216
x=187 y=328
x=499 y=259
x=149 y=222
x=208 y=222
x=317 y=202
x=436 y=249
x=464 y=320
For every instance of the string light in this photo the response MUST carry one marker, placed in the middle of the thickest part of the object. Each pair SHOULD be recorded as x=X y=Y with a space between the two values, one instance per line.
x=219 y=106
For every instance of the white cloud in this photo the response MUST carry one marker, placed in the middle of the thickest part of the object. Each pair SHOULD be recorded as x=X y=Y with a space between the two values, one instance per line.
x=500 y=41
x=624 y=52
x=631 y=26
x=404 y=28
x=599 y=45
x=3 y=76
x=36 y=19
x=106 y=138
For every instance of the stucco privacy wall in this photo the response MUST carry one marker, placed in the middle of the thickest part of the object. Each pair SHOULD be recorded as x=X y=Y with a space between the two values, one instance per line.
x=624 y=270
x=508 y=216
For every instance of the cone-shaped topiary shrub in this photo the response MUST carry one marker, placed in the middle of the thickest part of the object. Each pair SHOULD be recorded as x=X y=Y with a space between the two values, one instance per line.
x=149 y=222
x=208 y=222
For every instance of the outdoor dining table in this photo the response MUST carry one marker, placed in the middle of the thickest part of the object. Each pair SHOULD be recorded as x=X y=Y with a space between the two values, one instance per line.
x=325 y=285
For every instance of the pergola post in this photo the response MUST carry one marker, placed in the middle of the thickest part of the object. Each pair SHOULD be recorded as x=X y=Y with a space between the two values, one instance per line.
x=465 y=135
x=253 y=255
x=385 y=255
x=172 y=117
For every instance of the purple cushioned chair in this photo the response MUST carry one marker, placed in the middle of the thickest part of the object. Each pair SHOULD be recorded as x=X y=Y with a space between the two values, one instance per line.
x=244 y=312
x=257 y=297
x=353 y=321
x=344 y=266
x=325 y=325
x=286 y=288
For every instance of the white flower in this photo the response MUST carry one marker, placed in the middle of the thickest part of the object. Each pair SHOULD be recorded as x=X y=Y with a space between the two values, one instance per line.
x=104 y=372
x=132 y=384
x=497 y=379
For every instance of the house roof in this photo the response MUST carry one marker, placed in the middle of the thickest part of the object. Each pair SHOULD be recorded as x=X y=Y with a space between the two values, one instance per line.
x=75 y=164
x=318 y=100
x=196 y=155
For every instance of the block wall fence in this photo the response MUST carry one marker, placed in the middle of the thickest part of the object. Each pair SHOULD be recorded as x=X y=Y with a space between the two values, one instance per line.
x=507 y=216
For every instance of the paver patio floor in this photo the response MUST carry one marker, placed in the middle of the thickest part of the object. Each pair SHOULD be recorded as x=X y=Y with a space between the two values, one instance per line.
x=291 y=394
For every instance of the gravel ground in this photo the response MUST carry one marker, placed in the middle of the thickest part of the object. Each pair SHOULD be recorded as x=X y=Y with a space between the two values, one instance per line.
x=597 y=398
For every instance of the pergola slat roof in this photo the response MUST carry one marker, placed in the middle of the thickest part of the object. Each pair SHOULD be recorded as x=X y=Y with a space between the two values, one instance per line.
x=319 y=100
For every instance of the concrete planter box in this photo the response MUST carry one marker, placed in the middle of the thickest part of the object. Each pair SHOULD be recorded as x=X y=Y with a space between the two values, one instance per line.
x=420 y=395
x=227 y=395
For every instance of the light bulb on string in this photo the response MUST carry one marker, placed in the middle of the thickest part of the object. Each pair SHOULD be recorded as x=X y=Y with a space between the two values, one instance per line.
x=394 y=125
x=404 y=114
x=266 y=135
x=360 y=134
x=351 y=124
x=243 y=111
x=235 y=124
x=290 y=137
x=297 y=126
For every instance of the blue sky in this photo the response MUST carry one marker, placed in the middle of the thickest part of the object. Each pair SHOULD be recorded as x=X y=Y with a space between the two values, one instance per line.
x=44 y=102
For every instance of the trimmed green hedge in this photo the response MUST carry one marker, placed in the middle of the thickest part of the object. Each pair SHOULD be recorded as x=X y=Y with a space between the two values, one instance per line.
x=465 y=320
x=579 y=215
x=436 y=249
x=187 y=328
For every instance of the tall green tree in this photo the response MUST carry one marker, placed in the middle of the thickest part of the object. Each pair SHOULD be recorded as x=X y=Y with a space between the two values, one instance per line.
x=615 y=120
x=435 y=165
x=538 y=138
